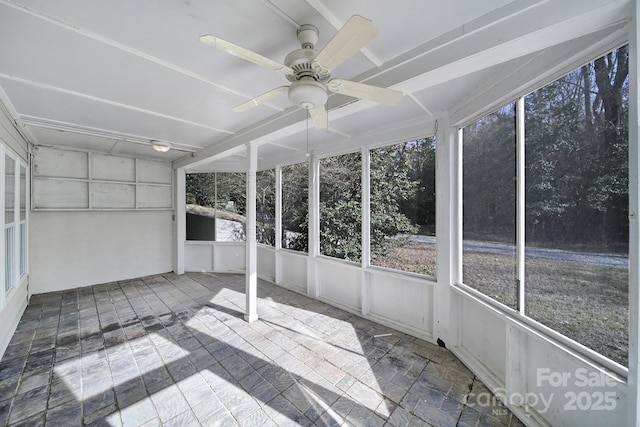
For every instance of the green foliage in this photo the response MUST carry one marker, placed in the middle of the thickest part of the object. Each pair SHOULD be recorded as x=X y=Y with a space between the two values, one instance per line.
x=402 y=195
x=391 y=185
x=421 y=169
x=266 y=207
x=340 y=207
x=340 y=229
x=490 y=176
x=201 y=190
x=295 y=206
x=576 y=155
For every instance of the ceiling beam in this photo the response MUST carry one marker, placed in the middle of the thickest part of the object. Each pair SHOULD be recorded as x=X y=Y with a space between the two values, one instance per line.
x=326 y=13
x=38 y=122
x=287 y=118
x=76 y=94
x=540 y=69
x=517 y=29
x=120 y=46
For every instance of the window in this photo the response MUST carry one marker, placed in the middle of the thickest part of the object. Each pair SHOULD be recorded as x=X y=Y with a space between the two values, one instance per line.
x=575 y=209
x=577 y=228
x=14 y=249
x=402 y=206
x=266 y=207
x=489 y=203
x=340 y=207
x=295 y=207
x=216 y=206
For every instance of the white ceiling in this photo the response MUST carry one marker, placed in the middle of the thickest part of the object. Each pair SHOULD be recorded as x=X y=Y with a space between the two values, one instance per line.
x=109 y=76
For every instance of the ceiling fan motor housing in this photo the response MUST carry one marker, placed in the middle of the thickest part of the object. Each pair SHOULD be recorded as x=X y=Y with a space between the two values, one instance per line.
x=300 y=60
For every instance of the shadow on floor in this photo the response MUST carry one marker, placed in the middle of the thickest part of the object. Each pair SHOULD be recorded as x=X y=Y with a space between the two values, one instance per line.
x=175 y=350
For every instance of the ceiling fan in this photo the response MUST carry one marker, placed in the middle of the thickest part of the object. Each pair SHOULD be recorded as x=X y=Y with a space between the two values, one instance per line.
x=309 y=70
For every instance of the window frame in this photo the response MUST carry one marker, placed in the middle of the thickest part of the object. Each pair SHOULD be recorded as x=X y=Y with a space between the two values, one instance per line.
x=519 y=313
x=19 y=258
x=366 y=219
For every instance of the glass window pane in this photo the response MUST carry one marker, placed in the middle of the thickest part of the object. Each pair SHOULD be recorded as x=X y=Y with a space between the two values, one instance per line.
x=403 y=206
x=200 y=209
x=9 y=190
x=231 y=205
x=24 y=252
x=215 y=206
x=577 y=228
x=340 y=207
x=295 y=207
x=23 y=193
x=266 y=207
x=489 y=203
x=9 y=261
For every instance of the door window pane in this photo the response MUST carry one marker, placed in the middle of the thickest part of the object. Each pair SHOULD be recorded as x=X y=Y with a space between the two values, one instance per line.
x=9 y=190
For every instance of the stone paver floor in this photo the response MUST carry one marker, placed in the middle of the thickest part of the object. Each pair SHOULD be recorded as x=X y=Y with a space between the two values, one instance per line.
x=175 y=351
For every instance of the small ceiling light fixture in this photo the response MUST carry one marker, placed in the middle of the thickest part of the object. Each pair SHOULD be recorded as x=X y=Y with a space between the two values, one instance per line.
x=160 y=146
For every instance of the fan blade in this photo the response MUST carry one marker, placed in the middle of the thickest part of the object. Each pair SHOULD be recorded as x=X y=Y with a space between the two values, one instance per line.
x=246 y=54
x=363 y=91
x=352 y=37
x=274 y=93
x=319 y=117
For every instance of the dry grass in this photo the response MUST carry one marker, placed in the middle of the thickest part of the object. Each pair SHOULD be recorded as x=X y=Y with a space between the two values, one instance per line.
x=410 y=256
x=587 y=303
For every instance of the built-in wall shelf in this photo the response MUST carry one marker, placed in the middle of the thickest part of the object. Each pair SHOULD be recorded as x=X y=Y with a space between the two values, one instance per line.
x=78 y=180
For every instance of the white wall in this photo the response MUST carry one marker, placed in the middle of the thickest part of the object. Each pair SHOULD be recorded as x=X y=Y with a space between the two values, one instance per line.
x=73 y=249
x=220 y=257
x=542 y=380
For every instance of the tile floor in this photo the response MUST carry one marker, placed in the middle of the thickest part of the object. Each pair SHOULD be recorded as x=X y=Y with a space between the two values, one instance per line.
x=175 y=351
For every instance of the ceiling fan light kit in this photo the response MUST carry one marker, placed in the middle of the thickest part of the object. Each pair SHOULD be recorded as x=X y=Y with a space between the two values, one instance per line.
x=307 y=93
x=309 y=70
x=160 y=147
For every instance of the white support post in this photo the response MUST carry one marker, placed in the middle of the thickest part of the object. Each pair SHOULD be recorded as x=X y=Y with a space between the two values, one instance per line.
x=179 y=220
x=520 y=203
x=278 y=224
x=446 y=226
x=251 y=313
x=314 y=225
x=633 y=393
x=366 y=227
x=456 y=227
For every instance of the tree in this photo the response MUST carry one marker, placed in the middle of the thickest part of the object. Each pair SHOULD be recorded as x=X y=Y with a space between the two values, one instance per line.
x=295 y=206
x=340 y=207
x=576 y=153
x=420 y=206
x=611 y=78
x=340 y=201
x=266 y=207
x=217 y=189
x=391 y=187
x=489 y=177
